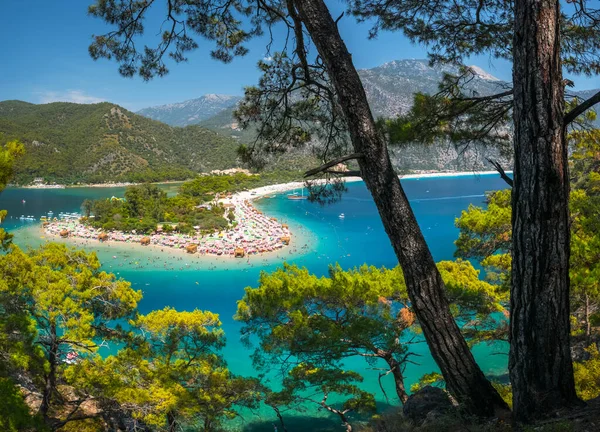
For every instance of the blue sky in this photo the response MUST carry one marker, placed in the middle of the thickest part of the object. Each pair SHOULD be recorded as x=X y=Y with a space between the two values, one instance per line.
x=44 y=50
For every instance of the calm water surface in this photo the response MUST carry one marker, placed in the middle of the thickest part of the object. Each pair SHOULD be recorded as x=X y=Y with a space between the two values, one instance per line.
x=357 y=239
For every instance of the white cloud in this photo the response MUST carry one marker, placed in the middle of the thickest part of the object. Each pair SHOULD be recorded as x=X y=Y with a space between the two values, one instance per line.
x=268 y=59
x=75 y=96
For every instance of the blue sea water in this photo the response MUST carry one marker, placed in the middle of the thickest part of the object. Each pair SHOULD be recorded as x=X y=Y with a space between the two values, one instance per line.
x=352 y=241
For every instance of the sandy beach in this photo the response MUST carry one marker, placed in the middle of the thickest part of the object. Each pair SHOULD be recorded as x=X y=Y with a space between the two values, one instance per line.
x=246 y=215
x=280 y=187
x=256 y=234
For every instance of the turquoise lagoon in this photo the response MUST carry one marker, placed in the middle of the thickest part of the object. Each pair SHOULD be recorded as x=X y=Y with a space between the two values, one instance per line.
x=321 y=237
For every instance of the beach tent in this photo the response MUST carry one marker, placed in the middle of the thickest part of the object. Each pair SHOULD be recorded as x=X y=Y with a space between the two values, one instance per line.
x=191 y=249
x=103 y=237
x=285 y=240
x=64 y=233
x=145 y=241
x=240 y=252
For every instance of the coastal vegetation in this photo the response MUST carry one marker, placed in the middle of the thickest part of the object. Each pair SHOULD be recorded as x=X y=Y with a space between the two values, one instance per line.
x=72 y=334
x=145 y=206
x=195 y=207
x=103 y=142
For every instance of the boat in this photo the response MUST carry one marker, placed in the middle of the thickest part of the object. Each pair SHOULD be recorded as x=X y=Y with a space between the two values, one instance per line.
x=295 y=196
x=342 y=216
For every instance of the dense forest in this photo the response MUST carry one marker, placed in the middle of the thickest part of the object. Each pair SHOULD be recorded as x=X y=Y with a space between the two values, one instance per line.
x=70 y=143
x=146 y=205
x=77 y=143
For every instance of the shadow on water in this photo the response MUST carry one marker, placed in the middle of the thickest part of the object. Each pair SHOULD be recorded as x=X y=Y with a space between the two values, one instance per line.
x=296 y=424
x=299 y=423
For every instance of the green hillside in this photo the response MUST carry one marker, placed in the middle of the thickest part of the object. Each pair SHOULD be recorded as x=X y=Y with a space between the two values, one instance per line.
x=69 y=143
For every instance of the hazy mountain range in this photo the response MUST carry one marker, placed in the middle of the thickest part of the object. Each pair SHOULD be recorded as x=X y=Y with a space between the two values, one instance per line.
x=68 y=142
x=192 y=111
x=389 y=87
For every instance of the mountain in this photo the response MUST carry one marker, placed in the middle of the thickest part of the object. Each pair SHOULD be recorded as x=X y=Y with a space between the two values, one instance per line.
x=390 y=89
x=391 y=86
x=67 y=142
x=192 y=111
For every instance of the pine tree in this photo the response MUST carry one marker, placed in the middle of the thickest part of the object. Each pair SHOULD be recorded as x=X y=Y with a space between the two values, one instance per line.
x=540 y=38
x=302 y=96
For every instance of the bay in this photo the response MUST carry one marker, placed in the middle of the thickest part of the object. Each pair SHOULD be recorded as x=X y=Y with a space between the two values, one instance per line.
x=216 y=285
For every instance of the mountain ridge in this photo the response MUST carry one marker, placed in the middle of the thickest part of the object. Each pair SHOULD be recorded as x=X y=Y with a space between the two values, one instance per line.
x=96 y=142
x=191 y=111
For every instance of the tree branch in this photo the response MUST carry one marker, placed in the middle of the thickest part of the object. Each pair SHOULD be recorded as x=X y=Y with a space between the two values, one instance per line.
x=500 y=170
x=331 y=163
x=581 y=108
x=344 y=173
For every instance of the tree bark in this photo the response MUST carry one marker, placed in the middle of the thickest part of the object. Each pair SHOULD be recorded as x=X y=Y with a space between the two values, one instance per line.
x=464 y=379
x=540 y=365
x=398 y=378
x=396 y=371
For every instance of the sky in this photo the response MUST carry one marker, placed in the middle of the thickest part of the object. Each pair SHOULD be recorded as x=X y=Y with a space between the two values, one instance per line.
x=44 y=46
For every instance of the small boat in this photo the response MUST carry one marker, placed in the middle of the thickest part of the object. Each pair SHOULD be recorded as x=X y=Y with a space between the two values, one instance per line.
x=295 y=196
x=342 y=216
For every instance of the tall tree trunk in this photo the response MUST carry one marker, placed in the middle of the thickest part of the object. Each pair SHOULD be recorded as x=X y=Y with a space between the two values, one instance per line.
x=426 y=289
x=540 y=365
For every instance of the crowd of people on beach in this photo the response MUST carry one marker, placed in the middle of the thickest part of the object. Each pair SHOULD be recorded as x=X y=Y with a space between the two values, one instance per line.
x=252 y=233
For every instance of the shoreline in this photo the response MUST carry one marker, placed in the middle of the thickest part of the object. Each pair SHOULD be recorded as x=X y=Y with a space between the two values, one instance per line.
x=442 y=174
x=416 y=175
x=298 y=244
x=254 y=235
x=155 y=257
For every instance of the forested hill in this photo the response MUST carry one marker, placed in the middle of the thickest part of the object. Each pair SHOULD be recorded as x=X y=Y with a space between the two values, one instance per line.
x=69 y=143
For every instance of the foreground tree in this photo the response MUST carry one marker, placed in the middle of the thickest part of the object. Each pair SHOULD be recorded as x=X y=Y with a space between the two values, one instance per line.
x=293 y=97
x=485 y=234
x=17 y=349
x=170 y=374
x=313 y=384
x=67 y=302
x=540 y=37
x=297 y=316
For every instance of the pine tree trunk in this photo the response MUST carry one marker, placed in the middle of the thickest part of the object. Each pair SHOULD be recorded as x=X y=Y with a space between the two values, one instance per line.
x=464 y=379
x=540 y=365
x=395 y=367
